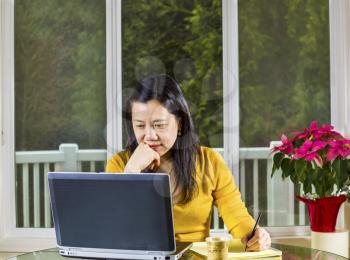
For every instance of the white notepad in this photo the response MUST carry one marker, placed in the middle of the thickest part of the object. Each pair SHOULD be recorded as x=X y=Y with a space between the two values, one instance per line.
x=236 y=251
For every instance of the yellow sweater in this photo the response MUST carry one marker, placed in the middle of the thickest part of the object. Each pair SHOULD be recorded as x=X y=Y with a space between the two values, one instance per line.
x=215 y=186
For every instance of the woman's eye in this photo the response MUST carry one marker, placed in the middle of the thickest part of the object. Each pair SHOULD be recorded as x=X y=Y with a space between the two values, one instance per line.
x=140 y=126
x=159 y=126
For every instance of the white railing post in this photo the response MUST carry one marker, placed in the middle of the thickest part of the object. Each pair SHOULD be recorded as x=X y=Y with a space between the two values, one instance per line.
x=25 y=196
x=255 y=188
x=47 y=205
x=70 y=163
x=280 y=203
x=37 y=191
x=242 y=179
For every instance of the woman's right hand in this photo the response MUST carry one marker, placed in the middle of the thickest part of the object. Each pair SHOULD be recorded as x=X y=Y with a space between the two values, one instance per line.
x=143 y=157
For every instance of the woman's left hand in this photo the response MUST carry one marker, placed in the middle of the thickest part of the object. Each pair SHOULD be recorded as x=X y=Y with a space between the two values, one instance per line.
x=260 y=241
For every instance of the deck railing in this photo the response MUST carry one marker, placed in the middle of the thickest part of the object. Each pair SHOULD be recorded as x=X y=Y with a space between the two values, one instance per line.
x=273 y=197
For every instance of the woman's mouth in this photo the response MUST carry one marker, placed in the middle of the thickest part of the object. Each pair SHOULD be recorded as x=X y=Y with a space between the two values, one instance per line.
x=155 y=147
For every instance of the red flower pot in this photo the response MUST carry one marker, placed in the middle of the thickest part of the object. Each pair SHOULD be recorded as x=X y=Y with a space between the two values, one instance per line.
x=323 y=212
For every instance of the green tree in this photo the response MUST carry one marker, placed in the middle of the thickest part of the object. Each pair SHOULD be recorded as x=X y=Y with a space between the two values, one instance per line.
x=284 y=67
x=57 y=73
x=183 y=39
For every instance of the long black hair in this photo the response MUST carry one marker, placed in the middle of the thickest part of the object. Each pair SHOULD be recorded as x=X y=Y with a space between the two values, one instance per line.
x=184 y=152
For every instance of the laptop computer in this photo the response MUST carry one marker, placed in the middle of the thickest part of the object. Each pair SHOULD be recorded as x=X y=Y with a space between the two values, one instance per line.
x=119 y=216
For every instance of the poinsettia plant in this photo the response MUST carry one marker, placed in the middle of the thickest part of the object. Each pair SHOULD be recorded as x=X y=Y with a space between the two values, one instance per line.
x=316 y=159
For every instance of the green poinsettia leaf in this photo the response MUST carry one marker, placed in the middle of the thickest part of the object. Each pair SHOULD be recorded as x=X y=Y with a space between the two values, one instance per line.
x=336 y=168
x=277 y=159
x=285 y=166
x=328 y=183
x=303 y=175
x=341 y=175
x=291 y=168
x=300 y=166
x=329 y=192
x=292 y=173
x=314 y=175
x=294 y=178
x=274 y=168
x=319 y=189
x=309 y=167
x=307 y=186
x=320 y=174
x=344 y=175
x=309 y=176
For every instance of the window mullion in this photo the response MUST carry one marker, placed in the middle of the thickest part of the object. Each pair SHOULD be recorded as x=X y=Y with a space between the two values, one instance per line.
x=7 y=179
x=113 y=77
x=340 y=64
x=231 y=85
x=339 y=23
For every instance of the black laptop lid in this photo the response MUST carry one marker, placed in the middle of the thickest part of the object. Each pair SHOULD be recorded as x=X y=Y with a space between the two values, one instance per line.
x=112 y=211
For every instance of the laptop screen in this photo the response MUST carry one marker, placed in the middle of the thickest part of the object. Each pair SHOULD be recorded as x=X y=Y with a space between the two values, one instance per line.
x=112 y=211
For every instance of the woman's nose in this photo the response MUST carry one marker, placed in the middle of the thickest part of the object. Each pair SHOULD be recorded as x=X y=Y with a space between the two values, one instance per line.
x=150 y=134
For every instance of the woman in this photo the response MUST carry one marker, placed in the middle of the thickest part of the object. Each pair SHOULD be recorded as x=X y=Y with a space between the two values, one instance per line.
x=162 y=138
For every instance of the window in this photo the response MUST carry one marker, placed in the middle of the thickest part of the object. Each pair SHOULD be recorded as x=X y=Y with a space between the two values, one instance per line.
x=60 y=96
x=284 y=75
x=184 y=40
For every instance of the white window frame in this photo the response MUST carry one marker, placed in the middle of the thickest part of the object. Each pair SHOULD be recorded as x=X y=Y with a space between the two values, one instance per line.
x=12 y=238
x=339 y=23
x=29 y=239
x=114 y=76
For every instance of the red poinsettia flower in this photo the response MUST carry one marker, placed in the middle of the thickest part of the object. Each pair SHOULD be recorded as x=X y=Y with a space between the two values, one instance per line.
x=286 y=147
x=338 y=148
x=308 y=151
x=317 y=133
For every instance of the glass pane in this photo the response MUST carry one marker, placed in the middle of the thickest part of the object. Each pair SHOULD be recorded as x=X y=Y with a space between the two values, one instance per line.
x=284 y=85
x=183 y=39
x=60 y=95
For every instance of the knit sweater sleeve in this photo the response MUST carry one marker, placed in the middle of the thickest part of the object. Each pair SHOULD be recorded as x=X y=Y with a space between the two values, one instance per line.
x=227 y=199
x=117 y=163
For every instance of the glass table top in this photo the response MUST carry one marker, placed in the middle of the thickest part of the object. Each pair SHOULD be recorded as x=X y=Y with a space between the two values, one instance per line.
x=289 y=253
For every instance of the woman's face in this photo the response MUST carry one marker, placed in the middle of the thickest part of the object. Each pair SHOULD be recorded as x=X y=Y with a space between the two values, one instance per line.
x=154 y=125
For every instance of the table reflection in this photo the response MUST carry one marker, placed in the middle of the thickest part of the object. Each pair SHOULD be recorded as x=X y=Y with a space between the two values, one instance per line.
x=289 y=253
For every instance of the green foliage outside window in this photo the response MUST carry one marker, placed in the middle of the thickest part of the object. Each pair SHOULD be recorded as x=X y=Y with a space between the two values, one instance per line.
x=183 y=39
x=60 y=73
x=284 y=67
x=60 y=66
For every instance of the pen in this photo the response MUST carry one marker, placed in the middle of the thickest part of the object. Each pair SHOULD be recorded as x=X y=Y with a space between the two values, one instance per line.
x=253 y=232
